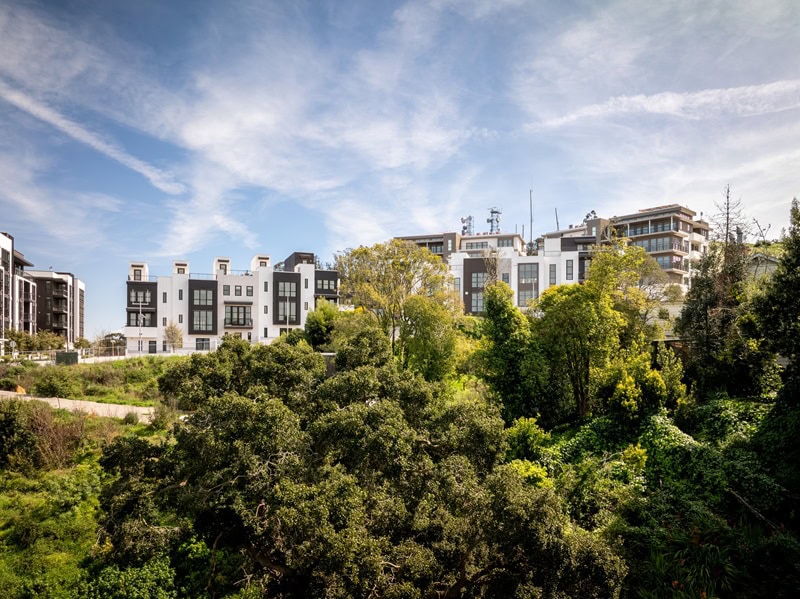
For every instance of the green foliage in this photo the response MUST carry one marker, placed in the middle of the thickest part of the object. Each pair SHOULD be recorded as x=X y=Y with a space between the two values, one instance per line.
x=359 y=341
x=429 y=338
x=319 y=324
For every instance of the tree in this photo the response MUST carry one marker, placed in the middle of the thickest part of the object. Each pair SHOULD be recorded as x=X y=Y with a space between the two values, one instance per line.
x=511 y=362
x=383 y=277
x=579 y=329
x=82 y=343
x=778 y=309
x=633 y=280
x=173 y=335
x=319 y=324
x=429 y=335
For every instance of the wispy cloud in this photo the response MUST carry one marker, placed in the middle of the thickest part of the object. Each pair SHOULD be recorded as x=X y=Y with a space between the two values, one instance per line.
x=158 y=178
x=742 y=101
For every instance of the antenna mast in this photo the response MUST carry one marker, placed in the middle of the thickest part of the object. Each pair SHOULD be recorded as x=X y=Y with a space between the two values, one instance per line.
x=557 y=227
x=494 y=220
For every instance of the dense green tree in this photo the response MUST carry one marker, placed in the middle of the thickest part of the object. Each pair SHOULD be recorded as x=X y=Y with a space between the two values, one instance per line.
x=579 y=329
x=383 y=277
x=319 y=324
x=429 y=338
x=778 y=309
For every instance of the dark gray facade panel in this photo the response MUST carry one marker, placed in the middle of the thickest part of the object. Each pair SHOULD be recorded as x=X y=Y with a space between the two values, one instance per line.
x=277 y=299
x=205 y=285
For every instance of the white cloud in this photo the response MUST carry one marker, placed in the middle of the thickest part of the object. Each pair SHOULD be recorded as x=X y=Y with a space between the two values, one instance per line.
x=743 y=101
x=158 y=178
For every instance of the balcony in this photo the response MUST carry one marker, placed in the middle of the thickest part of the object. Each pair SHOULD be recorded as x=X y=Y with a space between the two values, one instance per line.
x=60 y=307
x=244 y=323
x=60 y=324
x=60 y=292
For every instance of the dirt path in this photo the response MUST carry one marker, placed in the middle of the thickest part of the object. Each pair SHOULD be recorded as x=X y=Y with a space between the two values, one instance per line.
x=112 y=410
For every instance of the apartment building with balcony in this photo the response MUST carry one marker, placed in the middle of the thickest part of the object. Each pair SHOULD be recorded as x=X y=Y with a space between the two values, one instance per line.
x=670 y=234
x=476 y=259
x=258 y=304
x=60 y=304
x=17 y=290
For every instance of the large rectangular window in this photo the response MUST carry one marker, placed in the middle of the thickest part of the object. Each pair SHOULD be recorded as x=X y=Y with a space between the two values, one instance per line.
x=505 y=243
x=284 y=308
x=326 y=284
x=570 y=268
x=529 y=273
x=478 y=280
x=477 y=302
x=552 y=274
x=525 y=297
x=203 y=297
x=202 y=344
x=139 y=296
x=238 y=316
x=134 y=317
x=203 y=320
x=287 y=289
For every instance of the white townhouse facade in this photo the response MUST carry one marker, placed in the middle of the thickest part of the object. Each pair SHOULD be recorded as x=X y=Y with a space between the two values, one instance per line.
x=257 y=304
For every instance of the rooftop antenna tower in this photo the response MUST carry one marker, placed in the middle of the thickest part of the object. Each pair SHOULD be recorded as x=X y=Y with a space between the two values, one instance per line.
x=557 y=227
x=531 y=245
x=494 y=220
x=467 y=225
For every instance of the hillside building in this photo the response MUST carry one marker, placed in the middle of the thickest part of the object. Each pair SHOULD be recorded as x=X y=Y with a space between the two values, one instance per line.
x=258 y=304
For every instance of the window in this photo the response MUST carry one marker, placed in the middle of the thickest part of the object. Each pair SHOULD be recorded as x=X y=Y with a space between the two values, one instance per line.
x=203 y=297
x=477 y=301
x=249 y=291
x=529 y=273
x=266 y=311
x=569 y=269
x=180 y=318
x=237 y=290
x=164 y=297
x=140 y=296
x=164 y=321
x=505 y=243
x=226 y=290
x=137 y=274
x=266 y=286
x=449 y=245
x=266 y=332
x=202 y=344
x=305 y=306
x=525 y=297
x=287 y=289
x=164 y=345
x=477 y=245
x=283 y=307
x=264 y=264
x=326 y=284
x=180 y=294
x=238 y=316
x=224 y=268
x=552 y=274
x=203 y=320
x=146 y=318
x=152 y=347
x=305 y=283
x=181 y=270
x=478 y=280
x=505 y=277
x=457 y=284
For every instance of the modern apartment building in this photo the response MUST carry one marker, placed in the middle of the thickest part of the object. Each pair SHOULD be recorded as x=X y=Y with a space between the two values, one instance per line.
x=17 y=290
x=670 y=234
x=60 y=303
x=476 y=259
x=257 y=304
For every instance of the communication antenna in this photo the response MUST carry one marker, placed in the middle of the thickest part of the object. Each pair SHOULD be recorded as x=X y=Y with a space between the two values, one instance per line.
x=557 y=227
x=494 y=220
x=467 y=225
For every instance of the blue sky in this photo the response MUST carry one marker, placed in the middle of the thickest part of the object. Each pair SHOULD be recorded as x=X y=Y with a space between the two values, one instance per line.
x=166 y=130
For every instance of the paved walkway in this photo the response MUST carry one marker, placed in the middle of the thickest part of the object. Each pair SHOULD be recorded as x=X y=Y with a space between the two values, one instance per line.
x=112 y=410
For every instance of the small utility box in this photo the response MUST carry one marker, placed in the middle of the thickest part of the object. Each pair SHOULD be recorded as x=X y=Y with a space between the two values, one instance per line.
x=66 y=358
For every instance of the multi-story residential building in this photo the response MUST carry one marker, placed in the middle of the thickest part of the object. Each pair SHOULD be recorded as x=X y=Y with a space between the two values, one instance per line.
x=60 y=303
x=17 y=290
x=258 y=304
x=476 y=259
x=668 y=233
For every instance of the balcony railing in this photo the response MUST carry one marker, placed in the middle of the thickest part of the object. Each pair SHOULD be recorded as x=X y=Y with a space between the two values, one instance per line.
x=150 y=279
x=60 y=292
x=239 y=322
